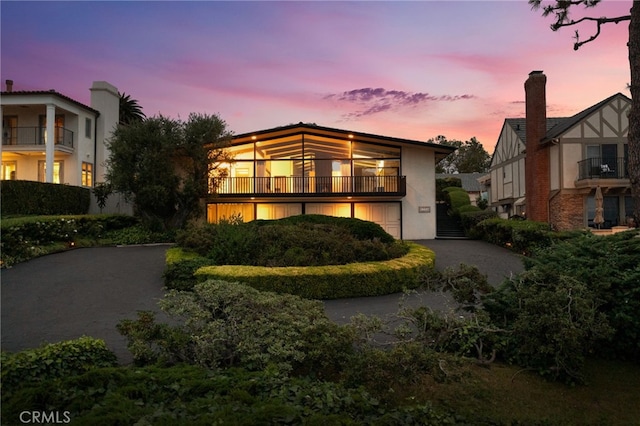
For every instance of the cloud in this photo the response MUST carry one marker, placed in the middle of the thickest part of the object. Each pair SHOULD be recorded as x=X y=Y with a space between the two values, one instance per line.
x=369 y=101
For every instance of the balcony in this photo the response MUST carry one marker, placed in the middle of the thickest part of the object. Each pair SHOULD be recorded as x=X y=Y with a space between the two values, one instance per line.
x=320 y=186
x=603 y=171
x=27 y=138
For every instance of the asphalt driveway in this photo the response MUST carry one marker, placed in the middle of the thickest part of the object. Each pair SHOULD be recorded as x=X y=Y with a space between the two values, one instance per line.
x=88 y=291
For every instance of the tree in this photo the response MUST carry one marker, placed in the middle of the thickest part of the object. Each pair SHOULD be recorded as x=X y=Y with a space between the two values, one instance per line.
x=164 y=165
x=130 y=111
x=470 y=156
x=560 y=10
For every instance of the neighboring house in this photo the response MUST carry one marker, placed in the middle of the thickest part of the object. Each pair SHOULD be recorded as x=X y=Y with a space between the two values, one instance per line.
x=548 y=169
x=309 y=169
x=469 y=183
x=77 y=132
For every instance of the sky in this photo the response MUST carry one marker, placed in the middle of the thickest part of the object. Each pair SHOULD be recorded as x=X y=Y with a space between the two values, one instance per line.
x=410 y=70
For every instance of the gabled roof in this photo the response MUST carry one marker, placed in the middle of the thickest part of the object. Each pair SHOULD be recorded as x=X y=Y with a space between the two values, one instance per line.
x=312 y=128
x=48 y=93
x=519 y=125
x=568 y=123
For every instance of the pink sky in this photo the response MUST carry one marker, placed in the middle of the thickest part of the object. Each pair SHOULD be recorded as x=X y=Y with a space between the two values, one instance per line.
x=404 y=69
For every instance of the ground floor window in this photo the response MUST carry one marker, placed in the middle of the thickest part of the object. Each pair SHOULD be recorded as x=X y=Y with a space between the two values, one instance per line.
x=9 y=169
x=58 y=171
x=613 y=206
x=87 y=174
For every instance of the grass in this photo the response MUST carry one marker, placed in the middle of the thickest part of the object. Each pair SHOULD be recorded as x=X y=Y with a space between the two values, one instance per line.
x=503 y=394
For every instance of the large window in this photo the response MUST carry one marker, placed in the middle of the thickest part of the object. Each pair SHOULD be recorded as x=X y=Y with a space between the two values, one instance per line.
x=9 y=169
x=9 y=130
x=58 y=171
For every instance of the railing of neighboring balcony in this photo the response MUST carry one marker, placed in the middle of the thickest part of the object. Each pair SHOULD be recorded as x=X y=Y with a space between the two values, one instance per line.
x=603 y=167
x=35 y=136
x=320 y=185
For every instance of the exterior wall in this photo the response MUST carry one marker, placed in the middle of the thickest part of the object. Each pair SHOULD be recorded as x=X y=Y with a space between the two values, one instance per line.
x=572 y=153
x=419 y=167
x=104 y=98
x=554 y=167
x=566 y=211
x=507 y=170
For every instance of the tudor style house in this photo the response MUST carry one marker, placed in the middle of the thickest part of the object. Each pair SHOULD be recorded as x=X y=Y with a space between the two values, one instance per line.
x=548 y=169
x=309 y=169
x=50 y=137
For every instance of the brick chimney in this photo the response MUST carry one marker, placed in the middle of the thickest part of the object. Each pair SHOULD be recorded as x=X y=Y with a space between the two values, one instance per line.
x=9 y=85
x=537 y=179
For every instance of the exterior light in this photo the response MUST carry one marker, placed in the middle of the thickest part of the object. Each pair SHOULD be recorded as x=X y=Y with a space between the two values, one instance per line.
x=350 y=136
x=253 y=138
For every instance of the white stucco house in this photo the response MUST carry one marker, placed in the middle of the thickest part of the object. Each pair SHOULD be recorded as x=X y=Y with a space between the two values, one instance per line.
x=50 y=137
x=309 y=169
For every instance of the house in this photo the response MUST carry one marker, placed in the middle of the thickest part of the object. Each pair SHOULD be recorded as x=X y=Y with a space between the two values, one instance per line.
x=309 y=169
x=548 y=169
x=32 y=119
x=469 y=183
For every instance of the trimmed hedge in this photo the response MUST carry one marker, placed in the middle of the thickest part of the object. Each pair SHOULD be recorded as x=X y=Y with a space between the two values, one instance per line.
x=443 y=183
x=54 y=361
x=521 y=236
x=22 y=197
x=334 y=281
x=471 y=218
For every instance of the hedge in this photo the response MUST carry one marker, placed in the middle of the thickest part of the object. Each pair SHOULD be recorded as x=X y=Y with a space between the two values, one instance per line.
x=334 y=281
x=521 y=236
x=54 y=361
x=22 y=197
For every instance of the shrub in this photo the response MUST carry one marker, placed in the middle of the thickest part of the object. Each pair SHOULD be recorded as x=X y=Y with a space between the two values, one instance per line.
x=443 y=183
x=333 y=281
x=21 y=197
x=470 y=219
x=54 y=361
x=521 y=236
x=458 y=199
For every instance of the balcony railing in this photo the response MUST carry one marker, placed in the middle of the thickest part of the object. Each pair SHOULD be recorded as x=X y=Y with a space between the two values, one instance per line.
x=603 y=167
x=318 y=185
x=29 y=136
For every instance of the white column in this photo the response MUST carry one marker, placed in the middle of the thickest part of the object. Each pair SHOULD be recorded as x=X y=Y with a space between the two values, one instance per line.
x=50 y=141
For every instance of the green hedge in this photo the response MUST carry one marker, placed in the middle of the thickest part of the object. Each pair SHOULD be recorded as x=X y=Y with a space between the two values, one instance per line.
x=521 y=236
x=28 y=237
x=54 y=361
x=443 y=183
x=22 y=197
x=331 y=282
x=471 y=218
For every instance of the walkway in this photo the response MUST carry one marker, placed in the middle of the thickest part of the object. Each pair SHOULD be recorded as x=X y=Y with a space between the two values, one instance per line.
x=88 y=291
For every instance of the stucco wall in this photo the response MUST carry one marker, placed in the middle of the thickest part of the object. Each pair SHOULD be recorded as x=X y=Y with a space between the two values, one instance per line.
x=418 y=165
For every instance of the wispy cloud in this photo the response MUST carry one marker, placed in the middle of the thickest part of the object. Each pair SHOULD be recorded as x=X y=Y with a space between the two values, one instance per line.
x=369 y=101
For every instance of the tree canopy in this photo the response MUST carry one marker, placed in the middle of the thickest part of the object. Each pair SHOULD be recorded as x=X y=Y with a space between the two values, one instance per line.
x=560 y=10
x=470 y=156
x=130 y=110
x=164 y=165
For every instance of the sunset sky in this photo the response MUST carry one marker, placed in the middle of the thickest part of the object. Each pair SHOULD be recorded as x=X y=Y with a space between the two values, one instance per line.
x=405 y=69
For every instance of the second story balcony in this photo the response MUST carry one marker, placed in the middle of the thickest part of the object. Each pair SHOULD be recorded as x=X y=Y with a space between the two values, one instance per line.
x=603 y=171
x=320 y=186
x=29 y=138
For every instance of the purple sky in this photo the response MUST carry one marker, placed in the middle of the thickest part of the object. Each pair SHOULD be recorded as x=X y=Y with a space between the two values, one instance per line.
x=405 y=69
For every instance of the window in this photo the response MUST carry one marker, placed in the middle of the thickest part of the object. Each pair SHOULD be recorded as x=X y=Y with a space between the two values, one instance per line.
x=58 y=126
x=58 y=171
x=9 y=169
x=87 y=128
x=9 y=130
x=87 y=174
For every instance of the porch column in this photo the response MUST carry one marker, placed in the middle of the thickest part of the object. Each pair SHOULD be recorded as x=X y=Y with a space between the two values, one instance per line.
x=50 y=141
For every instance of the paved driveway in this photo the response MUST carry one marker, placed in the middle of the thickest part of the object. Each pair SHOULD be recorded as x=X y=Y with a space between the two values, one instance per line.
x=88 y=291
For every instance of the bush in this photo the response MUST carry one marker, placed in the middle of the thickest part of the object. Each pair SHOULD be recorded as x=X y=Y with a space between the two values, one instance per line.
x=470 y=219
x=443 y=183
x=458 y=199
x=334 y=281
x=21 y=197
x=54 y=361
x=521 y=236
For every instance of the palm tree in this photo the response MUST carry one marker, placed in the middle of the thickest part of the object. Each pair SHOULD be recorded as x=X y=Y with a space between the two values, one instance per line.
x=130 y=111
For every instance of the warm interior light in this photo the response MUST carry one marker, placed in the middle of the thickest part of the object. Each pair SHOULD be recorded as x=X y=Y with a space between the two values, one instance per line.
x=350 y=136
x=253 y=138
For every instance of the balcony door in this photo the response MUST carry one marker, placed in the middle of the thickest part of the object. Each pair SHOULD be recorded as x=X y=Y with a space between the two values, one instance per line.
x=59 y=129
x=9 y=130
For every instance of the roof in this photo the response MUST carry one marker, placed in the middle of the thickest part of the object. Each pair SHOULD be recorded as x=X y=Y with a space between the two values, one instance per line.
x=47 y=93
x=313 y=128
x=568 y=123
x=469 y=180
x=519 y=125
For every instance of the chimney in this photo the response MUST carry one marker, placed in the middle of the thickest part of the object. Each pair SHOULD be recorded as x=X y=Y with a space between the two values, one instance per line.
x=9 y=85
x=537 y=168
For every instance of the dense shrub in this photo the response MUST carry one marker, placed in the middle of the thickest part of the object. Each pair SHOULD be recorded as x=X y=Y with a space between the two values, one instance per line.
x=54 y=361
x=298 y=241
x=521 y=236
x=443 y=183
x=27 y=237
x=470 y=219
x=191 y=395
x=610 y=267
x=333 y=281
x=21 y=197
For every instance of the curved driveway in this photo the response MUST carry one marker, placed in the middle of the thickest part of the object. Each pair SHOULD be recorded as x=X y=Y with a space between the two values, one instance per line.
x=88 y=291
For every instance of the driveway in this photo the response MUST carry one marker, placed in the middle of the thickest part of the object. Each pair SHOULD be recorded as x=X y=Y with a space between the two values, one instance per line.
x=88 y=291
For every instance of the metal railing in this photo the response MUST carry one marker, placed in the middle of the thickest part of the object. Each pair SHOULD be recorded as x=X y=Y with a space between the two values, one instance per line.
x=296 y=185
x=23 y=136
x=603 y=167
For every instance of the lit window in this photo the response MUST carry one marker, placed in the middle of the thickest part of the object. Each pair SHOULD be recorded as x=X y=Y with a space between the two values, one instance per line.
x=87 y=174
x=9 y=170
x=58 y=171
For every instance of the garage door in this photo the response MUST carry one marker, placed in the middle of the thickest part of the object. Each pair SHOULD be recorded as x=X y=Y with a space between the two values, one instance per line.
x=329 y=209
x=278 y=211
x=386 y=215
